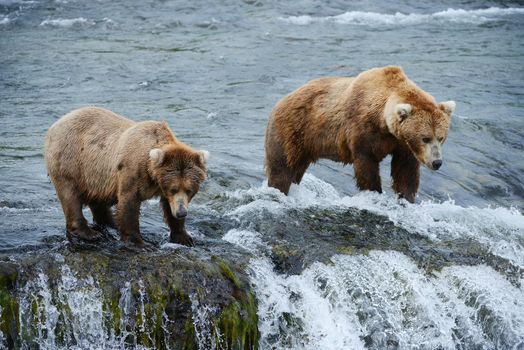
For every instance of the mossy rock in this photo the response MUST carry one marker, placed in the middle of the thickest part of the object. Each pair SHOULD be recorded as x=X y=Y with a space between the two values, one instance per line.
x=146 y=298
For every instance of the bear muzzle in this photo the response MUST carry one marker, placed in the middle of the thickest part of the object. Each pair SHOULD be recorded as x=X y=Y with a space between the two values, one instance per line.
x=436 y=164
x=181 y=212
x=432 y=157
x=179 y=204
x=432 y=164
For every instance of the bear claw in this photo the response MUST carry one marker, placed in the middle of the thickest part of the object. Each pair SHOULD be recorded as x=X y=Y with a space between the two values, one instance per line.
x=88 y=235
x=184 y=239
x=139 y=246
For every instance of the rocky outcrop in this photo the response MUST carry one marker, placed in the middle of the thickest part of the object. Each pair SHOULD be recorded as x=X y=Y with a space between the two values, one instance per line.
x=174 y=297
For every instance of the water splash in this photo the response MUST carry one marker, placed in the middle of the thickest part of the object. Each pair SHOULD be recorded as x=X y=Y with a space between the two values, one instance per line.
x=500 y=230
x=249 y=240
x=4 y=20
x=72 y=316
x=127 y=322
x=61 y=22
x=494 y=304
x=382 y=300
x=381 y=19
x=82 y=311
x=207 y=335
x=135 y=321
x=3 y=344
x=37 y=314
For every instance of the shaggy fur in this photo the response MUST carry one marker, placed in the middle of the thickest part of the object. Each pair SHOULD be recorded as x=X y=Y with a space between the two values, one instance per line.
x=357 y=120
x=99 y=158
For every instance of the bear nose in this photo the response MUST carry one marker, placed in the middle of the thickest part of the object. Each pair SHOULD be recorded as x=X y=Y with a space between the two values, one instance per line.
x=436 y=164
x=181 y=212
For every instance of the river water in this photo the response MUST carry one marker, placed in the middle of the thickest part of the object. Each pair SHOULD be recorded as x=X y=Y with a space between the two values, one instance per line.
x=213 y=71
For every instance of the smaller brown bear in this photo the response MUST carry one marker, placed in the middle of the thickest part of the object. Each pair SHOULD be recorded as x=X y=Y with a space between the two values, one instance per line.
x=358 y=120
x=99 y=158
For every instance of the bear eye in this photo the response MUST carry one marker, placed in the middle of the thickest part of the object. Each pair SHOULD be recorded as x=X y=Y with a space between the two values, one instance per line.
x=440 y=139
x=173 y=191
x=188 y=192
x=426 y=139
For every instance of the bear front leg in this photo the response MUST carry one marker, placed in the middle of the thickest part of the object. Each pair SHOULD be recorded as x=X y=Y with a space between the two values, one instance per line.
x=405 y=171
x=176 y=226
x=128 y=213
x=367 y=173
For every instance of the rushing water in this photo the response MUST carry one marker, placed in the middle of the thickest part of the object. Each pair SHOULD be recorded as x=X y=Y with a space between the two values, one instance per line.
x=213 y=71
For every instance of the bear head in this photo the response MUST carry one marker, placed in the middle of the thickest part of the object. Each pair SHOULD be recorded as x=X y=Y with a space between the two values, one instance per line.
x=423 y=127
x=178 y=171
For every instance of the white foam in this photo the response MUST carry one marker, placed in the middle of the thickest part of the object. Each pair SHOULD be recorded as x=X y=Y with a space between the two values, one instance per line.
x=207 y=334
x=501 y=230
x=492 y=301
x=249 y=240
x=311 y=192
x=395 y=293
x=171 y=246
x=386 y=296
x=86 y=318
x=293 y=313
x=377 y=19
x=76 y=306
x=10 y=210
x=4 y=20
x=3 y=342
x=81 y=314
x=212 y=115
x=60 y=22
x=13 y=2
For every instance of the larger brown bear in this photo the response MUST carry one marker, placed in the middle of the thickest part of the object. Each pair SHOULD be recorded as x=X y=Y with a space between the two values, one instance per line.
x=99 y=158
x=358 y=120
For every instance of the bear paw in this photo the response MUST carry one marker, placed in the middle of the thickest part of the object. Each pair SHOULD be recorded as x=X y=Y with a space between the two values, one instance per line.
x=141 y=246
x=86 y=234
x=182 y=238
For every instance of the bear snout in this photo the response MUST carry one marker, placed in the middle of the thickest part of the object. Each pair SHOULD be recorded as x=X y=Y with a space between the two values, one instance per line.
x=179 y=205
x=436 y=164
x=181 y=212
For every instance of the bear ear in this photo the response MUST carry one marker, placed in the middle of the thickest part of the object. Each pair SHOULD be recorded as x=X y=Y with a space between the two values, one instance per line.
x=447 y=107
x=156 y=155
x=403 y=110
x=203 y=156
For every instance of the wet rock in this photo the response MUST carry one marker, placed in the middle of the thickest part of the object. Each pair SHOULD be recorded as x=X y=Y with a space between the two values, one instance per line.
x=174 y=297
x=8 y=302
x=300 y=237
x=8 y=274
x=287 y=261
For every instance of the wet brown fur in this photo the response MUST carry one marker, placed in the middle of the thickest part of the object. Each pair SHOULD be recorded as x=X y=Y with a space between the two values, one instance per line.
x=343 y=119
x=98 y=158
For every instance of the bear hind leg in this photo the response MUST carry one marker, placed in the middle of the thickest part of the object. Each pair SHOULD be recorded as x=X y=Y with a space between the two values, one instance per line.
x=76 y=224
x=299 y=173
x=102 y=215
